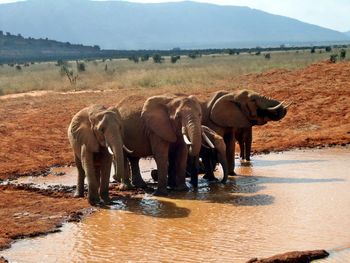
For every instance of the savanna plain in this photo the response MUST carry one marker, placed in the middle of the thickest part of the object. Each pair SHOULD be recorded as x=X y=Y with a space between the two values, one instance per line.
x=38 y=101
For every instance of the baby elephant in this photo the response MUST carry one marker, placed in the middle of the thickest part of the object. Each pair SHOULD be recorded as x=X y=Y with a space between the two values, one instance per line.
x=213 y=151
x=95 y=134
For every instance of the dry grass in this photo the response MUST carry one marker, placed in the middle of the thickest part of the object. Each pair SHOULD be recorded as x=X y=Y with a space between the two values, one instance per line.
x=187 y=73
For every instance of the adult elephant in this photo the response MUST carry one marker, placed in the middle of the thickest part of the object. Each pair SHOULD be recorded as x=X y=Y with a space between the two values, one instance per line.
x=228 y=111
x=95 y=134
x=244 y=137
x=167 y=127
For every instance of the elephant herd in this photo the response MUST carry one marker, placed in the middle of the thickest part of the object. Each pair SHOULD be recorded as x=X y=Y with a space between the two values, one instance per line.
x=175 y=129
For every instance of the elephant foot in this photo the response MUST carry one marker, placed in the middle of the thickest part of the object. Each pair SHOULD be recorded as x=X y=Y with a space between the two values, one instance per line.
x=106 y=200
x=210 y=178
x=224 y=180
x=78 y=194
x=161 y=192
x=232 y=173
x=124 y=187
x=95 y=201
x=181 y=188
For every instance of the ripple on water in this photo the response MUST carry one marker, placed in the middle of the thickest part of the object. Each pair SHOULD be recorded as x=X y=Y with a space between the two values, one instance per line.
x=281 y=202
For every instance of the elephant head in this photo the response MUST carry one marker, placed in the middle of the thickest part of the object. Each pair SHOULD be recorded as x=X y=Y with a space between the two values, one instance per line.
x=245 y=108
x=175 y=119
x=107 y=128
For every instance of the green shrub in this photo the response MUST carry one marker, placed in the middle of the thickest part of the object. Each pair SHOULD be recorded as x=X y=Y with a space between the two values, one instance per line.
x=267 y=56
x=145 y=58
x=18 y=67
x=81 y=67
x=174 y=59
x=313 y=50
x=333 y=58
x=328 y=49
x=342 y=54
x=157 y=58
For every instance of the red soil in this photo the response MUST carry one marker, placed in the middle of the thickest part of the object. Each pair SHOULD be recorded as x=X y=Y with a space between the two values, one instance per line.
x=33 y=134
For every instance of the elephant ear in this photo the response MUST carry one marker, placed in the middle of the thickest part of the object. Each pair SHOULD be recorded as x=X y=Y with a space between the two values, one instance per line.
x=156 y=117
x=80 y=130
x=226 y=112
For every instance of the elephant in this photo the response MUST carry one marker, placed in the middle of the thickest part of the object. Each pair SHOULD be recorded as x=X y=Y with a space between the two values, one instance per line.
x=95 y=134
x=167 y=127
x=229 y=111
x=213 y=151
x=244 y=137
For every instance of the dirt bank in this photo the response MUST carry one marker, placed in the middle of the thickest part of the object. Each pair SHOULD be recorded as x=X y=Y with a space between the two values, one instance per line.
x=33 y=134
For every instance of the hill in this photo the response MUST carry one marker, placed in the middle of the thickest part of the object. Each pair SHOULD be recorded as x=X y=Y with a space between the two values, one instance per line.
x=125 y=25
x=347 y=33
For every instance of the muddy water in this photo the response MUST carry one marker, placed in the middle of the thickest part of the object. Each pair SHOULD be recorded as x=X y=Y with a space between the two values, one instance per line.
x=296 y=200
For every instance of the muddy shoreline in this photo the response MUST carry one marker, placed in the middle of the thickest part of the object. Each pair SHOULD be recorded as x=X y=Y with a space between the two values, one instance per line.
x=32 y=141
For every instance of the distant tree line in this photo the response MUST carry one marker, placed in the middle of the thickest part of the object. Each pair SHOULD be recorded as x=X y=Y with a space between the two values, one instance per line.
x=17 y=49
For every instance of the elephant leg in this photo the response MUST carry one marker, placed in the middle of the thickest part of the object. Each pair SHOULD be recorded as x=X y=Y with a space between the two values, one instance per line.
x=248 y=143
x=105 y=172
x=88 y=165
x=230 y=153
x=209 y=165
x=115 y=177
x=172 y=170
x=160 y=151
x=125 y=183
x=79 y=192
x=241 y=148
x=137 y=180
x=193 y=170
x=180 y=168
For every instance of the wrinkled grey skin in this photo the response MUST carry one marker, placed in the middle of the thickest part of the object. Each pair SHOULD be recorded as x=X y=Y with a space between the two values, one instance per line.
x=89 y=132
x=228 y=111
x=154 y=127
x=244 y=137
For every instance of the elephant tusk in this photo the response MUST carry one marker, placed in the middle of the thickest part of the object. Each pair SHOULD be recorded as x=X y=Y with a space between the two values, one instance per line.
x=287 y=105
x=275 y=107
x=109 y=149
x=186 y=140
x=127 y=149
x=211 y=145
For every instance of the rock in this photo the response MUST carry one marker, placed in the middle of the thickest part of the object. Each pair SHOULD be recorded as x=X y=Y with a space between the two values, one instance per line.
x=293 y=257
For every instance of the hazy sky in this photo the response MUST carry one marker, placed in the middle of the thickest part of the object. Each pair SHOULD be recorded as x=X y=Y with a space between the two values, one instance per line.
x=332 y=14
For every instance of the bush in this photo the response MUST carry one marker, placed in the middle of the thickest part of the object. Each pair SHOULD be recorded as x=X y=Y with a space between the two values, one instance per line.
x=18 y=67
x=174 y=59
x=157 y=58
x=342 y=54
x=333 y=58
x=267 y=56
x=81 y=66
x=313 y=50
x=145 y=58
x=194 y=55
x=328 y=49
x=134 y=58
x=257 y=53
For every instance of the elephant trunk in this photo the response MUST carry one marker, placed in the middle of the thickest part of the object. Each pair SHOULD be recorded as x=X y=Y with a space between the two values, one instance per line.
x=222 y=160
x=193 y=130
x=114 y=140
x=276 y=109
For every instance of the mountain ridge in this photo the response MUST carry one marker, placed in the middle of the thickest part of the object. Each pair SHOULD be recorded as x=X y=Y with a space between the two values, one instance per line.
x=187 y=24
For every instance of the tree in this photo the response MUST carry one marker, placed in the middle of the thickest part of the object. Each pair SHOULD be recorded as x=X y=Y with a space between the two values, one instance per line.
x=174 y=59
x=157 y=58
x=80 y=66
x=328 y=49
x=333 y=58
x=342 y=54
x=313 y=50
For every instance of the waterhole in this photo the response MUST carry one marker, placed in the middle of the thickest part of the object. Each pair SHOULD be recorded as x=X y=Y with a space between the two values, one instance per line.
x=296 y=200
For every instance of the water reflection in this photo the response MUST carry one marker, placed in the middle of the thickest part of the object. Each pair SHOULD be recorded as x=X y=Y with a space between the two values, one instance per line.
x=282 y=202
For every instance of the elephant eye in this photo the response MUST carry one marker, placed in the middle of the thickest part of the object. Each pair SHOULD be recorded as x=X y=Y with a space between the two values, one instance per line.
x=101 y=129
